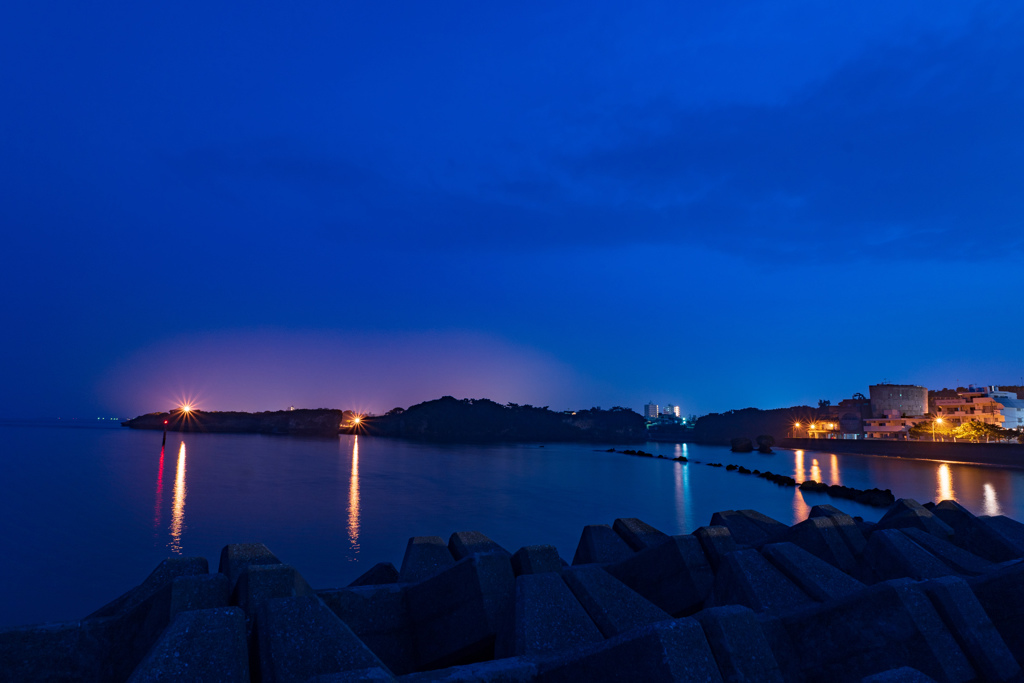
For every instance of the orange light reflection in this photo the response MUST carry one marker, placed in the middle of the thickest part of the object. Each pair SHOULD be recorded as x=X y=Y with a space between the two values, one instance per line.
x=944 y=490
x=178 y=506
x=353 y=500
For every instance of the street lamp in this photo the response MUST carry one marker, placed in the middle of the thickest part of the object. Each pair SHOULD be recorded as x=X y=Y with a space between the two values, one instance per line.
x=939 y=421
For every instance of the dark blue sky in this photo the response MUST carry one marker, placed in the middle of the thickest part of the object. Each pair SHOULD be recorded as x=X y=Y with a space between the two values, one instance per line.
x=714 y=205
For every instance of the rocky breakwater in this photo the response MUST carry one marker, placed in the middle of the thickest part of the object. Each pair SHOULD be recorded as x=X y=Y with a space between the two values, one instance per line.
x=317 y=422
x=929 y=593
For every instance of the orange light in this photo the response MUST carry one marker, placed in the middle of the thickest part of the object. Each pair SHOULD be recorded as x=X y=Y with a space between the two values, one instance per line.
x=186 y=408
x=797 y=424
x=356 y=420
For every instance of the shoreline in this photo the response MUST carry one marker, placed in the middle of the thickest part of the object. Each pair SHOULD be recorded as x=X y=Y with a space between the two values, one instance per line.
x=1009 y=456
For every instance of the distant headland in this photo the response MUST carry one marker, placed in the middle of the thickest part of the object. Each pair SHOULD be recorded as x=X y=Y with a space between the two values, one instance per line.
x=468 y=420
x=317 y=422
x=446 y=419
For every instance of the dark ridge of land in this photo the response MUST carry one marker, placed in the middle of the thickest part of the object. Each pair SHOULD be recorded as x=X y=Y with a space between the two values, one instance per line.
x=452 y=420
x=997 y=454
x=720 y=428
x=314 y=422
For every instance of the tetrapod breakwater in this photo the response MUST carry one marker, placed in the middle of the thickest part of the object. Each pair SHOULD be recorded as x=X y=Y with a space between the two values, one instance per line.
x=929 y=593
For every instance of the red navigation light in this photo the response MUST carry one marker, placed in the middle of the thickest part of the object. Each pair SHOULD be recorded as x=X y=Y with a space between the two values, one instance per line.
x=165 y=421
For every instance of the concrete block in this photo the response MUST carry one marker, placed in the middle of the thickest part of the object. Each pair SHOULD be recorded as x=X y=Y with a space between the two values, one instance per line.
x=379 y=616
x=199 y=645
x=739 y=645
x=1001 y=594
x=462 y=544
x=378 y=575
x=1010 y=530
x=259 y=583
x=846 y=525
x=907 y=512
x=746 y=578
x=675 y=575
x=903 y=674
x=717 y=541
x=456 y=614
x=613 y=606
x=956 y=558
x=749 y=527
x=141 y=615
x=637 y=534
x=971 y=627
x=973 y=535
x=424 y=557
x=673 y=650
x=892 y=555
x=202 y=591
x=235 y=558
x=815 y=577
x=159 y=580
x=599 y=544
x=885 y=626
x=820 y=537
x=535 y=559
x=547 y=619
x=54 y=653
x=299 y=637
x=508 y=670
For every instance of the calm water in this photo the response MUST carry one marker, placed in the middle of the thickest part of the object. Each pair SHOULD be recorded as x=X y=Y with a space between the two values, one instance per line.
x=86 y=513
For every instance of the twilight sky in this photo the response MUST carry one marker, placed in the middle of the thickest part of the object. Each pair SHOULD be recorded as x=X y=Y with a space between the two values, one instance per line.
x=364 y=205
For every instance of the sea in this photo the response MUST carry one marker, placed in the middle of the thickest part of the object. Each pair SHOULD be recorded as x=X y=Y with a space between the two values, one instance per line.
x=87 y=510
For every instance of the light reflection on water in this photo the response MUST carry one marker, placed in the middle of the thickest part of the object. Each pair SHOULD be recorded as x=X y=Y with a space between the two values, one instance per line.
x=74 y=511
x=683 y=499
x=815 y=470
x=353 y=501
x=991 y=500
x=800 y=507
x=158 y=508
x=944 y=490
x=178 y=507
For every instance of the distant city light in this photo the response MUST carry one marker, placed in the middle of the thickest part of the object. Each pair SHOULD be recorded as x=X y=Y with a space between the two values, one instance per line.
x=186 y=408
x=356 y=420
x=797 y=424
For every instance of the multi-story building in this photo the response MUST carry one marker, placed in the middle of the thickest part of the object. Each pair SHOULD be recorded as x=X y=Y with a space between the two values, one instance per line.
x=671 y=410
x=892 y=425
x=905 y=399
x=970 y=405
x=1013 y=409
x=651 y=411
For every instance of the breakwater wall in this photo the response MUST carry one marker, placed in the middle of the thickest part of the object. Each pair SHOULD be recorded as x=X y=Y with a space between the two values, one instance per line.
x=928 y=593
x=998 y=454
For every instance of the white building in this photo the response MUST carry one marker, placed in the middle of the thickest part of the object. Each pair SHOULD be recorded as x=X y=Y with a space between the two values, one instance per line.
x=651 y=411
x=1013 y=408
x=671 y=410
